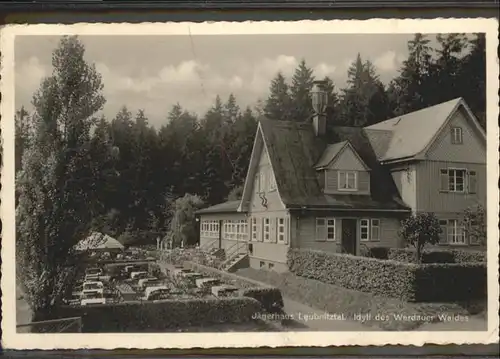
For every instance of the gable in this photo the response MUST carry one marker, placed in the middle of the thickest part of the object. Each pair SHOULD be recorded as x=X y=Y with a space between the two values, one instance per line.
x=260 y=171
x=473 y=148
x=348 y=159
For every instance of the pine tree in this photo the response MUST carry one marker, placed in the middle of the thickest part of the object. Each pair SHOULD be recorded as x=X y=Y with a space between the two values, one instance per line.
x=277 y=105
x=410 y=90
x=364 y=101
x=302 y=81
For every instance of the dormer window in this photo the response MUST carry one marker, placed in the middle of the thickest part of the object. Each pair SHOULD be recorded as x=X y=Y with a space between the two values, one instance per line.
x=347 y=181
x=456 y=135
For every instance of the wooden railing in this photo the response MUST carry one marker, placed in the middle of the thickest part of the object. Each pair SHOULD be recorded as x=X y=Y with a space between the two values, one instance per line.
x=232 y=252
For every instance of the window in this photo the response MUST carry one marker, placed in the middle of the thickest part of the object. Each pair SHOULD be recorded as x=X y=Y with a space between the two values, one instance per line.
x=456 y=232
x=453 y=180
x=369 y=229
x=325 y=229
x=236 y=229
x=281 y=230
x=472 y=182
x=262 y=264
x=270 y=265
x=254 y=229
x=347 y=181
x=456 y=135
x=272 y=182
x=210 y=228
x=267 y=230
x=456 y=180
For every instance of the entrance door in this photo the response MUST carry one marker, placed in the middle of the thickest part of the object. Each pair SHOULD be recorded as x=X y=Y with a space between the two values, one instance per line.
x=349 y=236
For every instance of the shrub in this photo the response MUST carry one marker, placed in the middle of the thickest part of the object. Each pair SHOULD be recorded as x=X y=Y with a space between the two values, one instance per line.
x=163 y=315
x=270 y=298
x=450 y=282
x=376 y=252
x=420 y=229
x=407 y=255
x=407 y=281
x=382 y=277
x=462 y=256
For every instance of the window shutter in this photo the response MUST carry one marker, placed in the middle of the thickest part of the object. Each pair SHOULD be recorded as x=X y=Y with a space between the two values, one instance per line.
x=287 y=230
x=443 y=239
x=452 y=135
x=472 y=182
x=444 y=180
x=273 y=235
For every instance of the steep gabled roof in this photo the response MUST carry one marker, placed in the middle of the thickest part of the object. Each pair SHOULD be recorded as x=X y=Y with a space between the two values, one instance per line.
x=294 y=150
x=226 y=207
x=330 y=152
x=408 y=135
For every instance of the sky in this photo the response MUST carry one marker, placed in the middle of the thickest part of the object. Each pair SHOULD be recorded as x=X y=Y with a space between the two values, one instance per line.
x=155 y=72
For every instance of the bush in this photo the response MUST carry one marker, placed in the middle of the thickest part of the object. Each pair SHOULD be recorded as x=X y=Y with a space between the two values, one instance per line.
x=382 y=277
x=270 y=298
x=462 y=256
x=407 y=281
x=450 y=282
x=407 y=255
x=163 y=315
x=376 y=252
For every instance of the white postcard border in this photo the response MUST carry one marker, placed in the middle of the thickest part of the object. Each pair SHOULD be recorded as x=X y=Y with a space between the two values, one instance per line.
x=13 y=340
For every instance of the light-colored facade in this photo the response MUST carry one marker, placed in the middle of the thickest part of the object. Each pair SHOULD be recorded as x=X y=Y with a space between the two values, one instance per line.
x=445 y=175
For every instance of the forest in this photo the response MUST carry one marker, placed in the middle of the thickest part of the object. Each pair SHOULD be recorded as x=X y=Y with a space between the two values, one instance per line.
x=77 y=171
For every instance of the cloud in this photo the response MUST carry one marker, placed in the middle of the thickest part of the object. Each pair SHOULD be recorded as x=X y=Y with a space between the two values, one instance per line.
x=194 y=84
x=389 y=61
x=28 y=76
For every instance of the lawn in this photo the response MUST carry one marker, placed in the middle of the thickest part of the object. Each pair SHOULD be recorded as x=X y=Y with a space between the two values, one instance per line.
x=386 y=313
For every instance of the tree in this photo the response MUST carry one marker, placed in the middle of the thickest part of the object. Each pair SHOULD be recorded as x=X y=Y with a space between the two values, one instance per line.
x=183 y=229
x=300 y=100
x=56 y=189
x=420 y=229
x=277 y=105
x=364 y=101
x=472 y=77
x=410 y=90
x=474 y=222
x=24 y=131
x=235 y=194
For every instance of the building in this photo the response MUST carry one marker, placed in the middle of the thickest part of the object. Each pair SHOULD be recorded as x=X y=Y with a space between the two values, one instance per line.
x=319 y=186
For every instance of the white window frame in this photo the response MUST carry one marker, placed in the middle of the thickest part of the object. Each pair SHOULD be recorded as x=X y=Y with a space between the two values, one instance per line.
x=346 y=175
x=455 y=171
x=329 y=223
x=254 y=230
x=209 y=228
x=281 y=230
x=457 y=135
x=456 y=233
x=266 y=225
x=370 y=225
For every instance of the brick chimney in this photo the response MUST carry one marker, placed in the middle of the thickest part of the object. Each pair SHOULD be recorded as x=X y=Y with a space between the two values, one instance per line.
x=319 y=103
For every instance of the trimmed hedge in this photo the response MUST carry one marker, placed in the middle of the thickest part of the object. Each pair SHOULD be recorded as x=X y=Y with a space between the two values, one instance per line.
x=407 y=255
x=270 y=297
x=407 y=281
x=162 y=315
